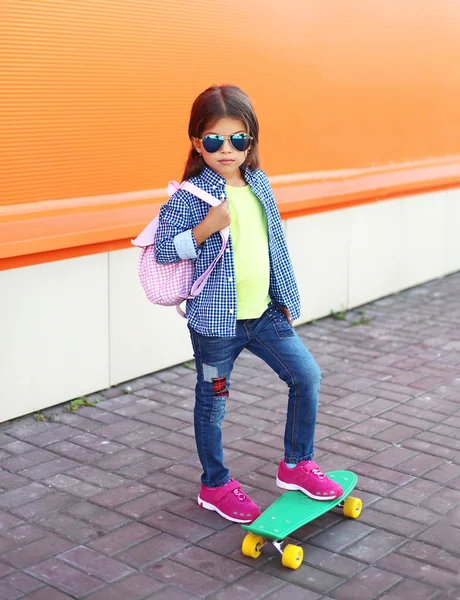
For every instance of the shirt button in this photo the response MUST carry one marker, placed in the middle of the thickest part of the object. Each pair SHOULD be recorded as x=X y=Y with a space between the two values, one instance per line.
x=227 y=250
x=230 y=278
x=214 y=187
x=231 y=311
x=222 y=181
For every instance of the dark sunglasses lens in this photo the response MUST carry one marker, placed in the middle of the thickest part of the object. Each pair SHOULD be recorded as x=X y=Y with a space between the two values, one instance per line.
x=212 y=143
x=240 y=141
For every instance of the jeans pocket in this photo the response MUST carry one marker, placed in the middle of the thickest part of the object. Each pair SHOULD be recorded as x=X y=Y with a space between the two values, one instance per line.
x=284 y=329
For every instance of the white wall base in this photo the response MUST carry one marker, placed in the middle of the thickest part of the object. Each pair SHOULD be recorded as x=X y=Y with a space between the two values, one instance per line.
x=73 y=327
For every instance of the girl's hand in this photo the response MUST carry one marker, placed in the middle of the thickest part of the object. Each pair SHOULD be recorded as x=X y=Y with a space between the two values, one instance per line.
x=286 y=313
x=218 y=218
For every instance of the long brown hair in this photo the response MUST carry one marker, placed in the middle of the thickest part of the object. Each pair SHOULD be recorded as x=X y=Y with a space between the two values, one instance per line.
x=213 y=104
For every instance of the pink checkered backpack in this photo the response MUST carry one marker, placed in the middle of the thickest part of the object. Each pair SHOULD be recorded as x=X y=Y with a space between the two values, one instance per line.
x=171 y=284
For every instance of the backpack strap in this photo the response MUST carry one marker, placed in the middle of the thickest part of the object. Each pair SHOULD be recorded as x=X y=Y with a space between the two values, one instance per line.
x=173 y=186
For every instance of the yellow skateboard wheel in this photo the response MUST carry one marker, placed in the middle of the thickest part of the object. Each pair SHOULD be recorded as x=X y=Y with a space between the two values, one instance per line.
x=292 y=556
x=352 y=507
x=251 y=545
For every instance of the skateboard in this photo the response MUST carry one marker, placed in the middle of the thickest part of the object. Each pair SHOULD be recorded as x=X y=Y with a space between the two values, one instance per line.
x=293 y=510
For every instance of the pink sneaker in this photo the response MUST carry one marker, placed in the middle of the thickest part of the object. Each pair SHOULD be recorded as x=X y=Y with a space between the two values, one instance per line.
x=230 y=502
x=309 y=479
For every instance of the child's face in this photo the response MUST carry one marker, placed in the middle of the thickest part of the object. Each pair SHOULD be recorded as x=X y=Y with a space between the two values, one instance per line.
x=226 y=161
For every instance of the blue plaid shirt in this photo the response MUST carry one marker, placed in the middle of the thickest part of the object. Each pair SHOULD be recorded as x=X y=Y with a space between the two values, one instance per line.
x=213 y=312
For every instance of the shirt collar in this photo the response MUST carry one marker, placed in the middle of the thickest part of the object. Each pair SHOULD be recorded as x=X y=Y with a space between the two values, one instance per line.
x=213 y=178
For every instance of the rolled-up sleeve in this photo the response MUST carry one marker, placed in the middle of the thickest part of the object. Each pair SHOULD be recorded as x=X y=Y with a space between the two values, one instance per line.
x=186 y=245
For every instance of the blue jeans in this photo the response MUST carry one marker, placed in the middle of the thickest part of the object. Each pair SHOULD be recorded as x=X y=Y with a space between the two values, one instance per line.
x=272 y=338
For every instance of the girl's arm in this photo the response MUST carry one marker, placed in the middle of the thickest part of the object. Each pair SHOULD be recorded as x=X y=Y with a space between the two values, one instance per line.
x=174 y=240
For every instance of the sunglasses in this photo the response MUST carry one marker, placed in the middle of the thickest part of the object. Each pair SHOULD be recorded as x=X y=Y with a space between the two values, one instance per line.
x=213 y=143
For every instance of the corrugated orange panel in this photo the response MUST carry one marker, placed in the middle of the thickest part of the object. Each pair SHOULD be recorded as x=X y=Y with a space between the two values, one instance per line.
x=95 y=94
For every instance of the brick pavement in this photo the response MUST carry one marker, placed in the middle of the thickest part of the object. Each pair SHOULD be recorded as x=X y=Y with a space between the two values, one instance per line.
x=100 y=503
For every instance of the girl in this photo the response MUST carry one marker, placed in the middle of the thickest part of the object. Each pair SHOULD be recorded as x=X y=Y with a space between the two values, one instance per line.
x=249 y=301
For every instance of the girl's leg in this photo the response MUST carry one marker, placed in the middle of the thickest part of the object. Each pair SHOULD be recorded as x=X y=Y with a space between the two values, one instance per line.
x=276 y=342
x=214 y=363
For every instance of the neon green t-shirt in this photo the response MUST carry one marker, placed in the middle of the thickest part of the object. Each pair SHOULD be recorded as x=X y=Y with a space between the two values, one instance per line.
x=248 y=228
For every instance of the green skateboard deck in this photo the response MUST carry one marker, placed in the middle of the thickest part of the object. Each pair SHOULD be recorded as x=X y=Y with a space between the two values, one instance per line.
x=293 y=510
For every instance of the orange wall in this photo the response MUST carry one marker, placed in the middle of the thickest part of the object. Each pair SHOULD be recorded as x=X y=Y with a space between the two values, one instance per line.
x=95 y=94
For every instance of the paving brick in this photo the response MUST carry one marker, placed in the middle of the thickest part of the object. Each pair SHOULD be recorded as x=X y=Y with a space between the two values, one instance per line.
x=28 y=459
x=443 y=535
x=169 y=592
x=181 y=487
x=360 y=441
x=169 y=418
x=416 y=491
x=30 y=554
x=209 y=563
x=339 y=536
x=367 y=585
x=151 y=550
x=160 y=448
x=381 y=473
x=293 y=592
x=23 y=495
x=20 y=581
x=103 y=519
x=4 y=569
x=442 y=501
x=395 y=524
x=27 y=430
x=65 y=578
x=52 y=435
x=44 y=505
x=75 y=452
x=145 y=468
x=147 y=504
x=410 y=589
x=374 y=546
x=179 y=439
x=134 y=587
x=123 y=538
x=178 y=526
x=121 y=494
x=9 y=481
x=78 y=422
x=391 y=457
x=97 y=443
x=74 y=529
x=7 y=521
x=306 y=576
x=18 y=447
x=98 y=477
x=48 y=593
x=430 y=554
x=419 y=571
x=142 y=434
x=224 y=542
x=336 y=564
x=96 y=564
x=72 y=486
x=183 y=577
x=44 y=470
x=406 y=511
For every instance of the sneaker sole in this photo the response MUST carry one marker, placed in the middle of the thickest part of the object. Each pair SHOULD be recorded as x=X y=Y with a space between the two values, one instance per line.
x=294 y=487
x=208 y=506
